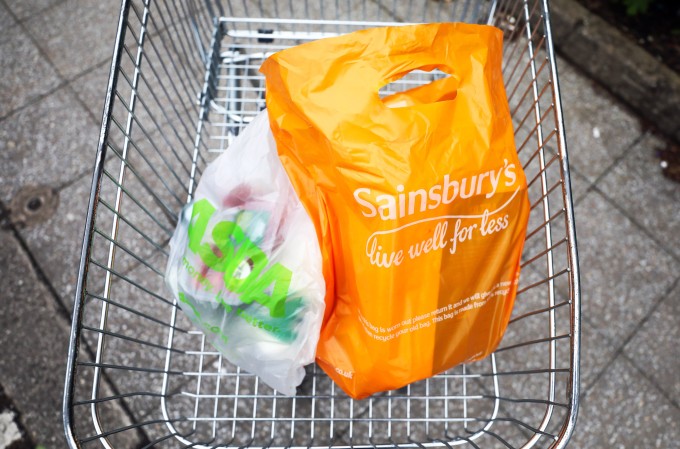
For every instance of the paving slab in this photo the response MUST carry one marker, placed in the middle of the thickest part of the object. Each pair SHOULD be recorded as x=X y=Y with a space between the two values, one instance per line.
x=138 y=319
x=74 y=49
x=24 y=73
x=154 y=192
x=33 y=345
x=313 y=10
x=624 y=410
x=654 y=347
x=90 y=87
x=170 y=82
x=624 y=273
x=596 y=350
x=549 y=201
x=433 y=11
x=579 y=183
x=524 y=355
x=164 y=90
x=597 y=353
x=637 y=186
x=6 y=19
x=111 y=416
x=46 y=143
x=133 y=353
x=56 y=242
x=599 y=130
x=45 y=351
x=519 y=87
x=25 y=9
x=573 y=125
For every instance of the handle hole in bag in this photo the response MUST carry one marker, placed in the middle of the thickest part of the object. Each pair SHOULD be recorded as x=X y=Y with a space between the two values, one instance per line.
x=419 y=87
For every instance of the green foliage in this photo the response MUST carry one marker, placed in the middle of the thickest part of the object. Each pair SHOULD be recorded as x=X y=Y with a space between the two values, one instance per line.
x=637 y=7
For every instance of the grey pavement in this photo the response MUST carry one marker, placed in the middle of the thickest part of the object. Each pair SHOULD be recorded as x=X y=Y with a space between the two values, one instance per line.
x=53 y=74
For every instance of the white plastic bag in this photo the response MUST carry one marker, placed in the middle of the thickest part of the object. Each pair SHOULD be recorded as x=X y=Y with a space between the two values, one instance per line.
x=245 y=263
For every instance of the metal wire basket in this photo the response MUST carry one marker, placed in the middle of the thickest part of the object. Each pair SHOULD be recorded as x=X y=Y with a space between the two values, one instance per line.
x=183 y=83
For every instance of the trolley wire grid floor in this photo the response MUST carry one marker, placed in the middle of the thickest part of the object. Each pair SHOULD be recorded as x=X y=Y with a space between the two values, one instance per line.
x=184 y=82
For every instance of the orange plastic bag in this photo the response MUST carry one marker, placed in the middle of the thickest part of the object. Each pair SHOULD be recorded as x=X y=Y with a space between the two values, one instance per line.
x=419 y=200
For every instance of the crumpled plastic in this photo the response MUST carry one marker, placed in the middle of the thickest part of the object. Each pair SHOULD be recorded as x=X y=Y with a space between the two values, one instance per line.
x=245 y=263
x=418 y=199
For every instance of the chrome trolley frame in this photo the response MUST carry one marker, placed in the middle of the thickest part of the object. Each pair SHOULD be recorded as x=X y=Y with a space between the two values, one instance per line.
x=184 y=81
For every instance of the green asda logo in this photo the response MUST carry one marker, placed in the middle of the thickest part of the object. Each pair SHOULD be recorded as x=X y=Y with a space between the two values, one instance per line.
x=231 y=251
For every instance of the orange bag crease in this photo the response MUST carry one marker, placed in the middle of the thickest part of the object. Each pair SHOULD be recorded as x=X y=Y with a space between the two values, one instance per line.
x=419 y=200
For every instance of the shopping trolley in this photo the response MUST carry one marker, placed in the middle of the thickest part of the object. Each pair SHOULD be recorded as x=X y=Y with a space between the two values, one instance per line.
x=184 y=82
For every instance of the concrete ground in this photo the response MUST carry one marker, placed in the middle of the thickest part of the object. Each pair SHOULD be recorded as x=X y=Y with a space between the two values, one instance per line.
x=54 y=57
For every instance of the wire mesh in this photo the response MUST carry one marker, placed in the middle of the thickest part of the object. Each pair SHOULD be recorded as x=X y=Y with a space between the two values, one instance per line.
x=184 y=81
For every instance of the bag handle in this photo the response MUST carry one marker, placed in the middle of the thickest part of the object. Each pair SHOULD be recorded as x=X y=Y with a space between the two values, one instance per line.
x=444 y=89
x=389 y=55
x=345 y=92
